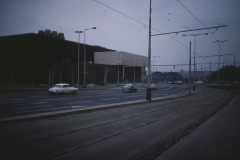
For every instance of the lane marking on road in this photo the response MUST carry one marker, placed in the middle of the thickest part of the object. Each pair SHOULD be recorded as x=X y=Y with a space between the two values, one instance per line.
x=12 y=102
x=32 y=107
x=109 y=99
x=15 y=99
x=38 y=103
x=85 y=97
x=106 y=95
x=133 y=96
x=78 y=106
x=43 y=109
x=36 y=96
x=80 y=102
x=53 y=99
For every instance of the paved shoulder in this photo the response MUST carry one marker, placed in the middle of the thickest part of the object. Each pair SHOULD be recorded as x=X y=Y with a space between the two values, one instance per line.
x=217 y=138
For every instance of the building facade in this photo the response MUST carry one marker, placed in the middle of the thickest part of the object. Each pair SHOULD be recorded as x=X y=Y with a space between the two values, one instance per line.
x=47 y=58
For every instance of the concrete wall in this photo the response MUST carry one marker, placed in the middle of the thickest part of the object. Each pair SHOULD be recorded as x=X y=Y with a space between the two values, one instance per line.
x=120 y=58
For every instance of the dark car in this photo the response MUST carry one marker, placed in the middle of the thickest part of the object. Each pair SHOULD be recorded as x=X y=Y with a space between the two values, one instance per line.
x=101 y=84
x=129 y=88
x=221 y=82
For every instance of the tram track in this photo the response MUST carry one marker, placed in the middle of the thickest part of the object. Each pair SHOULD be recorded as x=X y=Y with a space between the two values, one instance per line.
x=140 y=113
x=160 y=147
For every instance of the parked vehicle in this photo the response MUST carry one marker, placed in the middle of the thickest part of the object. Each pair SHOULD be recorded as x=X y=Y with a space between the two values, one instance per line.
x=177 y=82
x=101 y=84
x=90 y=85
x=129 y=88
x=154 y=86
x=221 y=82
x=63 y=88
x=198 y=82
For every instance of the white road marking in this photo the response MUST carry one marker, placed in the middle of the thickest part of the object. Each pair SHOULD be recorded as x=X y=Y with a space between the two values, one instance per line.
x=78 y=106
x=133 y=96
x=36 y=96
x=32 y=107
x=109 y=95
x=16 y=99
x=84 y=97
x=80 y=102
x=38 y=103
x=109 y=99
x=42 y=109
x=12 y=102
x=53 y=99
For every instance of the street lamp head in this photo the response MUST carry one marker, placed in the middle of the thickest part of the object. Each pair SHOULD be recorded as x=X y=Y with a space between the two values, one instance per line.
x=94 y=28
x=184 y=35
x=78 y=31
x=205 y=33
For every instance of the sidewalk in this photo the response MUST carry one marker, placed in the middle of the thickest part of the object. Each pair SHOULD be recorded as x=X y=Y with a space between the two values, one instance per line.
x=217 y=138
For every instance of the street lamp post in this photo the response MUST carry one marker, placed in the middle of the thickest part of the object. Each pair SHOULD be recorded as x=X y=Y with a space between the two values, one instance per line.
x=194 y=76
x=219 y=54
x=85 y=57
x=153 y=65
x=152 y=70
x=78 y=52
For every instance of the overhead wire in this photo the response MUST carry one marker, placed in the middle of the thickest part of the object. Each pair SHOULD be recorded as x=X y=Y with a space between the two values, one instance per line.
x=133 y=11
x=186 y=17
x=170 y=20
x=139 y=22
x=145 y=25
x=177 y=24
x=199 y=22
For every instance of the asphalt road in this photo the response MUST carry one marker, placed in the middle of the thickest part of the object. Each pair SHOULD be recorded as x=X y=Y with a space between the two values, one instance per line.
x=13 y=104
x=126 y=132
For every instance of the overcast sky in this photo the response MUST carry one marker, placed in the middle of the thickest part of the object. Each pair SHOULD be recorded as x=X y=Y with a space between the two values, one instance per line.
x=122 y=25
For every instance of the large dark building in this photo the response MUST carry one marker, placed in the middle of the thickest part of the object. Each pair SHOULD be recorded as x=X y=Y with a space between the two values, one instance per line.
x=47 y=58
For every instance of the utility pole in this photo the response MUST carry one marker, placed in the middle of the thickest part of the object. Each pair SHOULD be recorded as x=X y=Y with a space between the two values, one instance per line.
x=234 y=71
x=210 y=79
x=201 y=72
x=105 y=76
x=149 y=46
x=49 y=76
x=219 y=54
x=190 y=74
x=195 y=41
x=148 y=91
x=223 y=70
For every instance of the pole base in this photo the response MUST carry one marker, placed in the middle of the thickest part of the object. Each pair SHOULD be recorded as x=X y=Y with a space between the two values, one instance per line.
x=148 y=94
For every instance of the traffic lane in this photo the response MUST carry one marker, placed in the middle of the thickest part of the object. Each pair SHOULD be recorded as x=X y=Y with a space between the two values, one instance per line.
x=34 y=103
x=29 y=103
x=18 y=104
x=56 y=104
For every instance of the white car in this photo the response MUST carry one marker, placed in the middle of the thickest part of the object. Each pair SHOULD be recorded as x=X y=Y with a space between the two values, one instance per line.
x=199 y=82
x=63 y=88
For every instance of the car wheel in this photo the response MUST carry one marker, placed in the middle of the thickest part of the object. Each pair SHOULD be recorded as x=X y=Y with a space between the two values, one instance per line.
x=74 y=92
